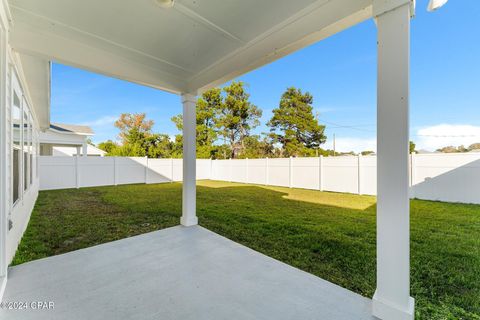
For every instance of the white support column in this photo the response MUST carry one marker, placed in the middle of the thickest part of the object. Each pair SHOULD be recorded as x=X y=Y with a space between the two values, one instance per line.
x=392 y=299
x=189 y=215
x=78 y=150
x=84 y=149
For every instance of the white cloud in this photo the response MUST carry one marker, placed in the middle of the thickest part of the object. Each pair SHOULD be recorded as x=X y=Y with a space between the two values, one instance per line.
x=107 y=120
x=442 y=135
x=428 y=138
x=346 y=144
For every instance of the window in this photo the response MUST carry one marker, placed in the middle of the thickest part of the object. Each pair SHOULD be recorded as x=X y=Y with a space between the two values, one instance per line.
x=26 y=157
x=24 y=144
x=17 y=140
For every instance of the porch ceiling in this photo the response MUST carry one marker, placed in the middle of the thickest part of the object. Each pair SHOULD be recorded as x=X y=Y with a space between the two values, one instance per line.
x=176 y=273
x=194 y=45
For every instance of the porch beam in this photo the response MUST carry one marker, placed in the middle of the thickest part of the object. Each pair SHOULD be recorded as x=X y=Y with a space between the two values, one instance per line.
x=392 y=297
x=189 y=214
x=52 y=41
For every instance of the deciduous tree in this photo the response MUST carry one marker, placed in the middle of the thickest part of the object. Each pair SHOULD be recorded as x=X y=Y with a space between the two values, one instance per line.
x=108 y=146
x=133 y=123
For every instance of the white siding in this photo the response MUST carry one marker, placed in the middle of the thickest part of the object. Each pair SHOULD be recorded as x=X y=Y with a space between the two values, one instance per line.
x=19 y=214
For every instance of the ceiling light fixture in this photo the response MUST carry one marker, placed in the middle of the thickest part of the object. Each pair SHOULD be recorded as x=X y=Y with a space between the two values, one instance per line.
x=165 y=3
x=435 y=4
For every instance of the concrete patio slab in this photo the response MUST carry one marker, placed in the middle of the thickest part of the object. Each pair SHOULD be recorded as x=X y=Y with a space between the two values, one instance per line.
x=176 y=273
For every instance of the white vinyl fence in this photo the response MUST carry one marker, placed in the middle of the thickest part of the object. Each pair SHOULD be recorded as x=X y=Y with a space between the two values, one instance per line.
x=444 y=177
x=78 y=172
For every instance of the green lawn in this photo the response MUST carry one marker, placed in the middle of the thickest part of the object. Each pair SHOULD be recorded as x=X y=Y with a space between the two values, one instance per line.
x=331 y=235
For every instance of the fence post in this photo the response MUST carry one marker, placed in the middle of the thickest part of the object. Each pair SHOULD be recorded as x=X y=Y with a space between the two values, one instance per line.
x=77 y=173
x=290 y=172
x=246 y=168
x=320 y=173
x=146 y=169
x=230 y=172
x=359 y=164
x=115 y=171
x=266 y=171
x=171 y=170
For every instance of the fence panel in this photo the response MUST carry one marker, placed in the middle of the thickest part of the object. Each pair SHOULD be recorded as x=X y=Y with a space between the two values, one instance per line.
x=238 y=170
x=96 y=171
x=444 y=177
x=305 y=173
x=130 y=170
x=447 y=177
x=177 y=169
x=279 y=172
x=368 y=175
x=340 y=174
x=159 y=170
x=204 y=169
x=257 y=171
x=57 y=172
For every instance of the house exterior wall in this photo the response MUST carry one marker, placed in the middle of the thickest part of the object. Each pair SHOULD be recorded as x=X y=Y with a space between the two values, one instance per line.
x=4 y=133
x=19 y=212
x=15 y=214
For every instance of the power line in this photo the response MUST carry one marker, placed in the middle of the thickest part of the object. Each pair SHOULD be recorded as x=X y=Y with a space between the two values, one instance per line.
x=359 y=128
x=354 y=127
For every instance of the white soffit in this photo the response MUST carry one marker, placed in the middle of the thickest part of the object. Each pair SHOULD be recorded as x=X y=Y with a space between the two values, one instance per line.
x=37 y=79
x=193 y=45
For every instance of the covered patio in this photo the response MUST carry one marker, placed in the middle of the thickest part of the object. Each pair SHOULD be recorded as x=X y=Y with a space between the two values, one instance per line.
x=187 y=271
x=176 y=273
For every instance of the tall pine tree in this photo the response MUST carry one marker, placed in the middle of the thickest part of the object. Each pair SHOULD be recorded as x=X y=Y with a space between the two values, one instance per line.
x=294 y=126
x=237 y=117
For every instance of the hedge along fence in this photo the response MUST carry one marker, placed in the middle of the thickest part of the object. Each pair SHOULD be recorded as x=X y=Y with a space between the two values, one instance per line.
x=444 y=177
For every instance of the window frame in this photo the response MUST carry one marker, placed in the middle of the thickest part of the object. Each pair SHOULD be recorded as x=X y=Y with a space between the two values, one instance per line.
x=16 y=146
x=25 y=146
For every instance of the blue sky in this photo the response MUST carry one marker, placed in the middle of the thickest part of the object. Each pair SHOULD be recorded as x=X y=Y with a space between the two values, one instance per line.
x=340 y=73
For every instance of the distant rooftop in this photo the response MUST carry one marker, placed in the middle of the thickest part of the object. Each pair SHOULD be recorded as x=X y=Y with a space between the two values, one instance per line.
x=71 y=128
